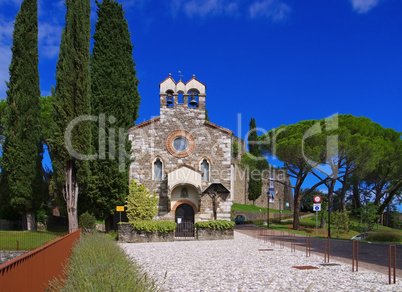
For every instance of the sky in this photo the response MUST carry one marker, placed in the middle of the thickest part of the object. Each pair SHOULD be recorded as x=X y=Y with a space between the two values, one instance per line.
x=278 y=61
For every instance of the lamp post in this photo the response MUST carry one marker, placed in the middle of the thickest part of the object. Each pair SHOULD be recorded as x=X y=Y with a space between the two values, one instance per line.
x=269 y=195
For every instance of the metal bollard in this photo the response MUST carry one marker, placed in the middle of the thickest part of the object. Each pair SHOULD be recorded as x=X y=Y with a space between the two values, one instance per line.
x=355 y=255
x=282 y=239
x=392 y=262
x=292 y=242
x=326 y=249
x=308 y=245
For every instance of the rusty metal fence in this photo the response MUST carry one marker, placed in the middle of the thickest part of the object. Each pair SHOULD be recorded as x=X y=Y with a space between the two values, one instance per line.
x=33 y=270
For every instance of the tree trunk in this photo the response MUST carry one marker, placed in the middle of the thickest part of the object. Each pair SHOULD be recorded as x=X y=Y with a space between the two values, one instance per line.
x=356 y=196
x=70 y=194
x=109 y=223
x=330 y=195
x=296 y=213
x=30 y=220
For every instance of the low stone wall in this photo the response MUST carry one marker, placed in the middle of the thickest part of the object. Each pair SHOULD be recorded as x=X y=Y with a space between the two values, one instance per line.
x=8 y=255
x=128 y=234
x=253 y=216
x=214 y=234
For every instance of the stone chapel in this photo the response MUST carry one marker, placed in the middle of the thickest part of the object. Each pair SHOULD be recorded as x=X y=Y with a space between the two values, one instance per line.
x=187 y=160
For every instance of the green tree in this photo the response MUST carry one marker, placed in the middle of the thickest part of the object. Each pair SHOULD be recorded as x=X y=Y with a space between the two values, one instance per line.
x=115 y=100
x=23 y=150
x=254 y=164
x=141 y=205
x=369 y=215
x=296 y=150
x=70 y=145
x=340 y=221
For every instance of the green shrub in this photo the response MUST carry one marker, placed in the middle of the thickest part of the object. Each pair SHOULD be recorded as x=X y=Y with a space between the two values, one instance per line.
x=97 y=263
x=87 y=221
x=384 y=236
x=151 y=226
x=141 y=205
x=340 y=222
x=215 y=224
x=235 y=149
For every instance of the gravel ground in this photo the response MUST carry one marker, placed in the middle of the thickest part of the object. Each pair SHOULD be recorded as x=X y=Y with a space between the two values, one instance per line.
x=238 y=265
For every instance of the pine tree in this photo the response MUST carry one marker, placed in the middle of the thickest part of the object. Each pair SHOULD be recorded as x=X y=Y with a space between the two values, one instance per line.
x=71 y=102
x=22 y=156
x=114 y=97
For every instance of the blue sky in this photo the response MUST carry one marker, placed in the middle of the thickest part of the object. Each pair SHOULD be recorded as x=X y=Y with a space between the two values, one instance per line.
x=279 y=61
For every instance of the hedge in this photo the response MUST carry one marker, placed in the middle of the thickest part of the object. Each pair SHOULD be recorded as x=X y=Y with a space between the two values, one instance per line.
x=215 y=224
x=151 y=226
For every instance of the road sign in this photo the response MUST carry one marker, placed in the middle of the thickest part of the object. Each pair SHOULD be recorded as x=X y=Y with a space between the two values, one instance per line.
x=317 y=199
x=120 y=208
x=287 y=204
x=317 y=207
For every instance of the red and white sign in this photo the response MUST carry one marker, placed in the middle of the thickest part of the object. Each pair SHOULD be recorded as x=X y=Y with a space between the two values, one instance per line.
x=317 y=199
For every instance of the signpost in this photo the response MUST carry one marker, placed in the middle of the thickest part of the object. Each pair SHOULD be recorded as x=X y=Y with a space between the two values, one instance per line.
x=120 y=209
x=316 y=208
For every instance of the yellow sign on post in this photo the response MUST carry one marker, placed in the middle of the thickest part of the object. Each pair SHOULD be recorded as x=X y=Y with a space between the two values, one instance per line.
x=120 y=208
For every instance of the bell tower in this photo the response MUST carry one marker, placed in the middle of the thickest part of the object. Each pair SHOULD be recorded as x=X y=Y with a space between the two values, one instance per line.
x=182 y=98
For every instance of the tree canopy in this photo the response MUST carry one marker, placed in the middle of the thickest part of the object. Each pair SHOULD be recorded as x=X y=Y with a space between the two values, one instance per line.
x=71 y=105
x=115 y=101
x=22 y=153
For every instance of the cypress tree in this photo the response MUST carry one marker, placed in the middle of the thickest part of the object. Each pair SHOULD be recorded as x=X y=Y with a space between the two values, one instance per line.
x=255 y=180
x=22 y=156
x=114 y=97
x=71 y=104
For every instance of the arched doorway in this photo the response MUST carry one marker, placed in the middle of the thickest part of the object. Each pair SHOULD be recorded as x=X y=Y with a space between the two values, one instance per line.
x=184 y=217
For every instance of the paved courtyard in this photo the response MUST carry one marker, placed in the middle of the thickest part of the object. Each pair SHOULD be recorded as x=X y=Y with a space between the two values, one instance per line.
x=245 y=264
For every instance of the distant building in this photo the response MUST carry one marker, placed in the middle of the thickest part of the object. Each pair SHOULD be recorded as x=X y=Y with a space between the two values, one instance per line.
x=188 y=161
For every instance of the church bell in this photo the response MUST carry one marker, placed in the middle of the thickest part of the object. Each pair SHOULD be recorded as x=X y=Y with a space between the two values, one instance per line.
x=193 y=100
x=169 y=100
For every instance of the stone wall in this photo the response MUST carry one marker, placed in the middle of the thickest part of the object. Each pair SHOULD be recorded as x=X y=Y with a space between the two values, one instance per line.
x=214 y=234
x=129 y=235
x=253 y=216
x=8 y=255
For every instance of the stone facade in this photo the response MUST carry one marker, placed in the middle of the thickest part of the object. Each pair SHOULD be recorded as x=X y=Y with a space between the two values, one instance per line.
x=179 y=154
x=182 y=180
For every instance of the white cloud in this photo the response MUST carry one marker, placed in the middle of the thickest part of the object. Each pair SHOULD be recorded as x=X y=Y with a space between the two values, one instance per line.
x=49 y=39
x=5 y=58
x=273 y=9
x=15 y=2
x=276 y=10
x=363 y=6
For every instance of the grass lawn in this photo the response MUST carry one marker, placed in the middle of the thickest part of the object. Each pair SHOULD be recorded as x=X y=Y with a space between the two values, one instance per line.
x=252 y=208
x=25 y=240
x=307 y=227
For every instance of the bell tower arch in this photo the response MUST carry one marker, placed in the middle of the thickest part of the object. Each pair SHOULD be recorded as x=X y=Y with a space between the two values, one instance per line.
x=192 y=95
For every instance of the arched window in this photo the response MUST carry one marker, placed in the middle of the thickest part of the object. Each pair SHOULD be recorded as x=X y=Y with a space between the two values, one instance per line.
x=180 y=97
x=205 y=169
x=157 y=169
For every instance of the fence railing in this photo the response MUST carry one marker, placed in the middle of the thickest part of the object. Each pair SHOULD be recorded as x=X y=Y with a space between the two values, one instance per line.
x=26 y=240
x=33 y=270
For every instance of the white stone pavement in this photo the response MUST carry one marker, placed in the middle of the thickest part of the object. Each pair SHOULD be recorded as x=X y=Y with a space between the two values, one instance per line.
x=238 y=265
